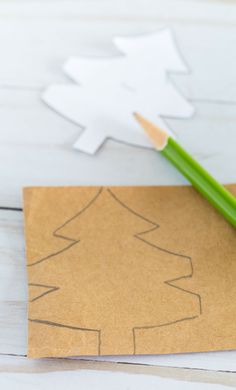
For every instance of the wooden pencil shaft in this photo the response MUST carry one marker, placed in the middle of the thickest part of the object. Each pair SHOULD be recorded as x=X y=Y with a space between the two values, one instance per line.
x=216 y=194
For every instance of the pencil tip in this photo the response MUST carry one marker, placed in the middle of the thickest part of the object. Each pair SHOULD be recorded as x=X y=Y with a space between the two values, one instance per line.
x=158 y=136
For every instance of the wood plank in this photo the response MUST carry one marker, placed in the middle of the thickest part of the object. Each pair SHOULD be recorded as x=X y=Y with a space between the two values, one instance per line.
x=21 y=372
x=173 y=9
x=36 y=38
x=13 y=285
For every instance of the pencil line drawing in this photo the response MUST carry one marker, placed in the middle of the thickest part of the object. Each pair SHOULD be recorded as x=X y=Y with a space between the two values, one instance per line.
x=49 y=290
x=55 y=233
x=56 y=324
x=141 y=236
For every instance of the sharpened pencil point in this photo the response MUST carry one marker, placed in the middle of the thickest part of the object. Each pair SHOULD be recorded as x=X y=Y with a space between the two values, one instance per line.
x=158 y=136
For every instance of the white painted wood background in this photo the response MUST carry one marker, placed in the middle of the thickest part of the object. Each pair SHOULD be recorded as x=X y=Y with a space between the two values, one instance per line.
x=36 y=37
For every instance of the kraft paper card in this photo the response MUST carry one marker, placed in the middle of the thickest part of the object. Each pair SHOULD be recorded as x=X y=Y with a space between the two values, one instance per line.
x=128 y=270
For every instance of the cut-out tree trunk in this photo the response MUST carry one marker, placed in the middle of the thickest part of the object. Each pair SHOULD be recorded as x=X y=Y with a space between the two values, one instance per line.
x=110 y=278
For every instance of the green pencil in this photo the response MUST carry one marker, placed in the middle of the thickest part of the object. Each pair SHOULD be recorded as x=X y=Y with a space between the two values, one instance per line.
x=213 y=191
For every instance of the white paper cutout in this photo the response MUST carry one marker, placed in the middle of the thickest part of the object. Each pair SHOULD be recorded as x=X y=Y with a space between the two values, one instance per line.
x=111 y=89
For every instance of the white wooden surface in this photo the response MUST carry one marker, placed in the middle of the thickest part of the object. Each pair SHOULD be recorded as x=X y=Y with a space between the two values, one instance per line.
x=35 y=143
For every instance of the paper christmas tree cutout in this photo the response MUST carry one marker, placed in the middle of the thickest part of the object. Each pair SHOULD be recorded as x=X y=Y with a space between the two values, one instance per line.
x=109 y=90
x=110 y=279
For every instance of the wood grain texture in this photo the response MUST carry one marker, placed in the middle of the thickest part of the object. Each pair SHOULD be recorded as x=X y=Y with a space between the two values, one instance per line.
x=36 y=37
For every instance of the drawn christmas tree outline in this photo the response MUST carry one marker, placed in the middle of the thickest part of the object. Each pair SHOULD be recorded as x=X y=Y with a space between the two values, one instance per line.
x=108 y=90
x=170 y=282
